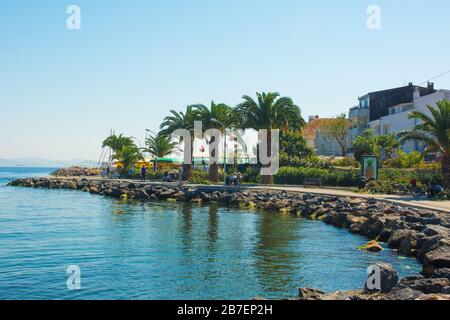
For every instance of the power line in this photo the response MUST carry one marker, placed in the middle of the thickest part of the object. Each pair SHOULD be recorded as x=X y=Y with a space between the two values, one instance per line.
x=435 y=77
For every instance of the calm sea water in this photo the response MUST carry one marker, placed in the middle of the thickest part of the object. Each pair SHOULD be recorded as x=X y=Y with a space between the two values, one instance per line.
x=129 y=250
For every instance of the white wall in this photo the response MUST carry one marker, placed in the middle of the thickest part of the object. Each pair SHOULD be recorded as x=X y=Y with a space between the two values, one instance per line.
x=326 y=145
x=400 y=122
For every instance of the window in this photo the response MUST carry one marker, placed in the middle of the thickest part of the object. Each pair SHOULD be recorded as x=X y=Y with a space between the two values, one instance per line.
x=392 y=110
x=364 y=103
x=406 y=107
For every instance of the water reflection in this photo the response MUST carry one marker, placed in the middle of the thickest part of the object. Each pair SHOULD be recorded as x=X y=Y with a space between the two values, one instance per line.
x=277 y=258
x=186 y=228
x=163 y=250
x=213 y=228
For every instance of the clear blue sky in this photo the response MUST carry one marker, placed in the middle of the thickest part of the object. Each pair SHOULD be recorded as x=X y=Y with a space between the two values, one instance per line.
x=62 y=91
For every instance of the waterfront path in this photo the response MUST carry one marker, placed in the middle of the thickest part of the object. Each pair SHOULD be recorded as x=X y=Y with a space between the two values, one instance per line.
x=422 y=203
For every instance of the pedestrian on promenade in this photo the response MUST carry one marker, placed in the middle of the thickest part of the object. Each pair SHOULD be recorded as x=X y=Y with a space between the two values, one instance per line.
x=143 y=173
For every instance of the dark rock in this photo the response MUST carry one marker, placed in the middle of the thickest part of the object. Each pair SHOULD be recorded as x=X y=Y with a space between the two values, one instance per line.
x=430 y=221
x=441 y=273
x=408 y=245
x=438 y=258
x=280 y=204
x=388 y=278
x=166 y=194
x=403 y=294
x=429 y=244
x=93 y=190
x=192 y=193
x=396 y=238
x=354 y=224
x=412 y=218
x=435 y=285
x=116 y=192
x=305 y=210
x=141 y=194
x=384 y=235
x=309 y=293
x=434 y=230
x=372 y=228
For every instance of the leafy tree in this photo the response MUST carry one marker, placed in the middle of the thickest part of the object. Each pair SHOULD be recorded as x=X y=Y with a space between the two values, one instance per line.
x=388 y=144
x=338 y=130
x=269 y=111
x=293 y=148
x=434 y=131
x=366 y=144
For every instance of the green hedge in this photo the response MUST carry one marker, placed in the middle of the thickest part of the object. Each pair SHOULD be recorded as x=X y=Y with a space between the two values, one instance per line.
x=349 y=177
x=330 y=177
x=404 y=176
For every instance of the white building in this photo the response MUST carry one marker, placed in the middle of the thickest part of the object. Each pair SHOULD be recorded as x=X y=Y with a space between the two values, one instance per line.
x=398 y=120
x=318 y=138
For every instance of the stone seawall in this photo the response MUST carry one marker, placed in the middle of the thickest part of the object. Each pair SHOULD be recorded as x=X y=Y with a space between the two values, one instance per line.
x=420 y=233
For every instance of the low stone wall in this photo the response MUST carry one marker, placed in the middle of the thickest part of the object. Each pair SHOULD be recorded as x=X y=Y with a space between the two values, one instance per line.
x=424 y=234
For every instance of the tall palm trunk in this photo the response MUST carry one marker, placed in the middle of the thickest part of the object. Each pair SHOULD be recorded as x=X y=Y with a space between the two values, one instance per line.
x=187 y=172
x=187 y=168
x=268 y=179
x=445 y=162
x=213 y=169
x=214 y=172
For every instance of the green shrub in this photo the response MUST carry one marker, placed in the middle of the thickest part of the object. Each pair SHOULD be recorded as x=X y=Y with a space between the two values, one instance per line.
x=334 y=177
x=405 y=176
x=385 y=186
x=310 y=162
x=406 y=160
x=252 y=174
x=200 y=177
x=345 y=162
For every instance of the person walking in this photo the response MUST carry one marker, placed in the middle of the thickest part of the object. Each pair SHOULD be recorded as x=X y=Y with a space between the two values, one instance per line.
x=143 y=173
x=180 y=176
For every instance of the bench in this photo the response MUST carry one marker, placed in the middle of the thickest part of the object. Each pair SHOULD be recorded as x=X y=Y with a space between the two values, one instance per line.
x=313 y=182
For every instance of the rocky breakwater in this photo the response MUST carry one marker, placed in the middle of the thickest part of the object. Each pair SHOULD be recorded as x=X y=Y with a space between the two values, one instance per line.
x=77 y=172
x=424 y=234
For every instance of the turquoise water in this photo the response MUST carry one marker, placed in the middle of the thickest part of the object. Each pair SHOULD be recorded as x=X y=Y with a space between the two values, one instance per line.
x=167 y=251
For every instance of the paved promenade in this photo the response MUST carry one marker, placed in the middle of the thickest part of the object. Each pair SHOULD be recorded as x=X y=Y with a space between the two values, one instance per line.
x=443 y=206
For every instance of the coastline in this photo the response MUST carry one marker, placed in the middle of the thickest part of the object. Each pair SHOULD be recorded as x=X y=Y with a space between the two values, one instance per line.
x=419 y=233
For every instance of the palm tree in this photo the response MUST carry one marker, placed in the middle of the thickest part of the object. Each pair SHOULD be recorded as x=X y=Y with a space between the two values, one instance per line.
x=270 y=111
x=217 y=116
x=159 y=145
x=179 y=120
x=117 y=144
x=434 y=131
x=128 y=157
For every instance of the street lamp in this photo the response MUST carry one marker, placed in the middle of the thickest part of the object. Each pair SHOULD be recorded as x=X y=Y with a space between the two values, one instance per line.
x=151 y=131
x=139 y=141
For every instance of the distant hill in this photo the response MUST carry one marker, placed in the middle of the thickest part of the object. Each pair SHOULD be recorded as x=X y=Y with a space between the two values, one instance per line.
x=38 y=162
